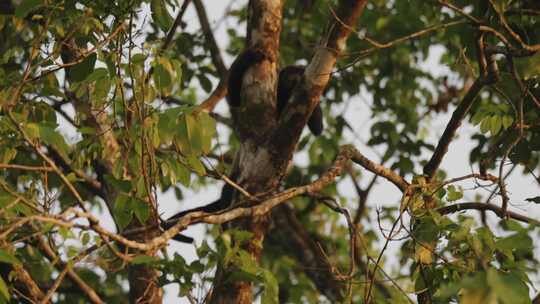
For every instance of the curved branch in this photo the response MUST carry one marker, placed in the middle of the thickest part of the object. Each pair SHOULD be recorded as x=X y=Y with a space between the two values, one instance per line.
x=500 y=212
x=379 y=170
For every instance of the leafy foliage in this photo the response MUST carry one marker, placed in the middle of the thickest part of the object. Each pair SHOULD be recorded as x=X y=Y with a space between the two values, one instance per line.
x=95 y=112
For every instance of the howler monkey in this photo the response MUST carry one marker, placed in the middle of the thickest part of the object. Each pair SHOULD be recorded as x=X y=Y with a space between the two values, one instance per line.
x=288 y=79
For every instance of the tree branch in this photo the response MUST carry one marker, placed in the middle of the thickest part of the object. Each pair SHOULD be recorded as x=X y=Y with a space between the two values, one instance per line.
x=210 y=39
x=500 y=212
x=317 y=74
x=457 y=117
x=221 y=90
x=379 y=170
x=53 y=258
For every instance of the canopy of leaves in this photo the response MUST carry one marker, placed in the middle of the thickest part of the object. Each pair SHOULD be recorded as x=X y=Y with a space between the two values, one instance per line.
x=99 y=116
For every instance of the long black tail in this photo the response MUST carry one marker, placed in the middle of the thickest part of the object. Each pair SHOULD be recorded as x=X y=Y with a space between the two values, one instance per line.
x=222 y=203
x=289 y=77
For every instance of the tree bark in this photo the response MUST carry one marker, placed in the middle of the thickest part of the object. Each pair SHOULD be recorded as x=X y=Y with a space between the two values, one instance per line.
x=266 y=143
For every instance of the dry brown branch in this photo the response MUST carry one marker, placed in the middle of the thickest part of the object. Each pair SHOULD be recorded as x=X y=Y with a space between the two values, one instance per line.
x=379 y=170
x=300 y=243
x=49 y=161
x=22 y=275
x=52 y=256
x=459 y=11
x=26 y=168
x=519 y=114
x=379 y=46
x=346 y=153
x=515 y=36
x=367 y=296
x=56 y=284
x=333 y=204
x=32 y=291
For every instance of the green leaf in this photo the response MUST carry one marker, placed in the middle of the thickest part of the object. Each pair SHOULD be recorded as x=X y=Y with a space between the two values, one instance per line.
x=206 y=84
x=122 y=213
x=208 y=130
x=197 y=136
x=121 y=185
x=453 y=194
x=144 y=259
x=4 y=290
x=101 y=90
x=161 y=15
x=381 y=23
x=80 y=71
x=518 y=241
x=485 y=125
x=495 y=124
x=246 y=263
x=478 y=117
x=168 y=124
x=162 y=78
x=51 y=137
x=138 y=58
x=196 y=165
x=85 y=238
x=271 y=288
x=98 y=74
x=7 y=155
x=508 y=287
x=185 y=133
x=507 y=121
x=426 y=231
x=6 y=257
x=51 y=86
x=32 y=130
x=141 y=209
x=26 y=6
x=179 y=172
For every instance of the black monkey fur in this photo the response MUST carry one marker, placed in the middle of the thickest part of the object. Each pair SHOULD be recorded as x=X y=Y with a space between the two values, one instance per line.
x=238 y=68
x=289 y=77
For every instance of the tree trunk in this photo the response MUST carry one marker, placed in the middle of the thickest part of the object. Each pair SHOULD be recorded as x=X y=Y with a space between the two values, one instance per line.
x=267 y=143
